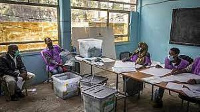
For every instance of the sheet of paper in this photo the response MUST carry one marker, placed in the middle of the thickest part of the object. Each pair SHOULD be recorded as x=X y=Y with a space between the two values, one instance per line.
x=107 y=60
x=153 y=79
x=20 y=82
x=184 y=77
x=119 y=63
x=191 y=93
x=156 y=71
x=175 y=86
x=121 y=69
x=195 y=87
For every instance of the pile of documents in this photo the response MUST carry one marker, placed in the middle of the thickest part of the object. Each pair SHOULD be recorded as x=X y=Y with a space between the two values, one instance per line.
x=120 y=66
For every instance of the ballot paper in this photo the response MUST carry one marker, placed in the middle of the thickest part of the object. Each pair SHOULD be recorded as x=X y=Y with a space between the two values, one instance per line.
x=153 y=79
x=119 y=63
x=191 y=93
x=195 y=87
x=107 y=60
x=175 y=86
x=120 y=66
x=184 y=77
x=156 y=71
x=123 y=69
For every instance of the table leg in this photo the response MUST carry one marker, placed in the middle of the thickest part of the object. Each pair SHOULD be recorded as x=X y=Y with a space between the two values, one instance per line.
x=152 y=90
x=125 y=94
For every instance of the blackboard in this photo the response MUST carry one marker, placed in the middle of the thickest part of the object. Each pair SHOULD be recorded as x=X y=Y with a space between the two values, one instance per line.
x=185 y=28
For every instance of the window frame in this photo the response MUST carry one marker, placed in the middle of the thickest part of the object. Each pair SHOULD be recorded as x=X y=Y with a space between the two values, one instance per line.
x=111 y=11
x=39 y=5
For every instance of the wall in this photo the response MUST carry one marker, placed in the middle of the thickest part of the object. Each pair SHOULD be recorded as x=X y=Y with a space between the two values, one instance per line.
x=155 y=23
x=34 y=62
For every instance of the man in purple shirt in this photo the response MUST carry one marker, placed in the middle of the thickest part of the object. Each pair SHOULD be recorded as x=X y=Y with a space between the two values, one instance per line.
x=192 y=68
x=52 y=58
x=173 y=62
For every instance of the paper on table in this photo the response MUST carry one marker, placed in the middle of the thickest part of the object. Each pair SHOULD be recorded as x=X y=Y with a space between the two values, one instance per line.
x=193 y=86
x=191 y=93
x=153 y=79
x=119 y=63
x=184 y=77
x=175 y=86
x=107 y=60
x=121 y=69
x=156 y=71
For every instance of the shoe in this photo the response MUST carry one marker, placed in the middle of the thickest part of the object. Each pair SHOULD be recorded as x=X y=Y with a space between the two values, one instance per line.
x=158 y=104
x=14 y=97
x=20 y=94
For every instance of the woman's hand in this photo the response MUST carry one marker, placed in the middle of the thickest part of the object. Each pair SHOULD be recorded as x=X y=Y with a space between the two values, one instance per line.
x=191 y=81
x=158 y=66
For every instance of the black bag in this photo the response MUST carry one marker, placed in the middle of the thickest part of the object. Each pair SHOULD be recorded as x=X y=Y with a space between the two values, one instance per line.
x=133 y=87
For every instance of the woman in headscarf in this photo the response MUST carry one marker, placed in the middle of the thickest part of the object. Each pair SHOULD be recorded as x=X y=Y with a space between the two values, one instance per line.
x=140 y=55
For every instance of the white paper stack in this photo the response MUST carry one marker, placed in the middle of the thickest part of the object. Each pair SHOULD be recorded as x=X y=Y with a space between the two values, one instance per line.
x=156 y=71
x=184 y=77
x=153 y=79
x=120 y=66
x=175 y=86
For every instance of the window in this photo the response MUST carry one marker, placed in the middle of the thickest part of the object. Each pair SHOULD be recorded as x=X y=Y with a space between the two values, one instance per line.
x=27 y=22
x=104 y=13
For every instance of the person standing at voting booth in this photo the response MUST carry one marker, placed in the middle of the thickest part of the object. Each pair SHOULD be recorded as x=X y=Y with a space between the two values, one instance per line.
x=14 y=72
x=52 y=57
x=173 y=62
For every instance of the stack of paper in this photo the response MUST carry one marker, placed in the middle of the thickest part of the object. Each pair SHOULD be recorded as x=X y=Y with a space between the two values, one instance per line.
x=191 y=93
x=184 y=77
x=153 y=79
x=120 y=67
x=175 y=86
x=107 y=60
x=156 y=71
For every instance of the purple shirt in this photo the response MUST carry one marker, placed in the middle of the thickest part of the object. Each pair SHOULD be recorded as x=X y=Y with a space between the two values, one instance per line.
x=183 y=64
x=53 y=56
x=196 y=66
x=147 y=59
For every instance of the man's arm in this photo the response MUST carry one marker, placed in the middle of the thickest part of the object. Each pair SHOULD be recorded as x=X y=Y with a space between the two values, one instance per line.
x=20 y=65
x=5 y=69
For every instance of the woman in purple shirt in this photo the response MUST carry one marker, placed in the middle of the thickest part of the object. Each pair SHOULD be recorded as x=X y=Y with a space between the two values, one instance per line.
x=140 y=55
x=173 y=62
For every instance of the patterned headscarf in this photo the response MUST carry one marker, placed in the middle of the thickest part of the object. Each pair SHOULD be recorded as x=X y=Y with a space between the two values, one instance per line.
x=141 y=53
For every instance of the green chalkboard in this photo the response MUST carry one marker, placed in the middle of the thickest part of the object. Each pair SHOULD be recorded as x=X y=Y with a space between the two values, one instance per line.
x=185 y=27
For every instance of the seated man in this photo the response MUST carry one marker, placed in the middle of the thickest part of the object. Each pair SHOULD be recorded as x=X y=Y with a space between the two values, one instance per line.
x=13 y=70
x=174 y=63
x=52 y=58
x=140 y=55
x=192 y=68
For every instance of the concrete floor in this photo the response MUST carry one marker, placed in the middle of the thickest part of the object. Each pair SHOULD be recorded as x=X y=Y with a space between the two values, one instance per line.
x=44 y=100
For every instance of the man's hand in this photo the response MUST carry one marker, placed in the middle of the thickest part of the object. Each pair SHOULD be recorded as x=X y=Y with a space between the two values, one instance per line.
x=191 y=81
x=23 y=75
x=158 y=66
x=167 y=75
x=175 y=71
